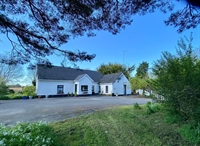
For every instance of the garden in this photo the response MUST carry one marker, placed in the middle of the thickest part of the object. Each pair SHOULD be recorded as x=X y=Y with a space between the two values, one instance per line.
x=28 y=92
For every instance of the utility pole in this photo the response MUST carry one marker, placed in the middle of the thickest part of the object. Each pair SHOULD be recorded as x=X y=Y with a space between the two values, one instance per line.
x=123 y=55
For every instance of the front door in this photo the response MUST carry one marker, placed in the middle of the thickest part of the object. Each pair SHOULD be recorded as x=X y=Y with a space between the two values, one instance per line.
x=92 y=89
x=75 y=88
x=124 y=89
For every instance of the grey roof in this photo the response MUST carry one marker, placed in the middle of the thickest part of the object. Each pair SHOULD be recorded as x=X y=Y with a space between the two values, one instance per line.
x=110 y=78
x=65 y=73
x=79 y=77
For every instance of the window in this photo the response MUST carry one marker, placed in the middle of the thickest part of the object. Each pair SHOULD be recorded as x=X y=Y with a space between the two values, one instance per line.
x=84 y=87
x=106 y=89
x=60 y=89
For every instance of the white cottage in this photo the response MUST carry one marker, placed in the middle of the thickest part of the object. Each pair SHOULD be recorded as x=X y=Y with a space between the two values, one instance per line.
x=63 y=80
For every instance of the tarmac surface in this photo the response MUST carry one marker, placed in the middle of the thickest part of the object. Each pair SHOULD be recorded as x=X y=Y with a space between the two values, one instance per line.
x=58 y=109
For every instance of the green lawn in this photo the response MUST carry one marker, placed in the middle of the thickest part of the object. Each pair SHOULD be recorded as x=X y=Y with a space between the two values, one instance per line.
x=120 y=126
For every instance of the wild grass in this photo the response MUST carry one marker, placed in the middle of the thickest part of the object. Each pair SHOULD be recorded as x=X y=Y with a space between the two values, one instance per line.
x=120 y=126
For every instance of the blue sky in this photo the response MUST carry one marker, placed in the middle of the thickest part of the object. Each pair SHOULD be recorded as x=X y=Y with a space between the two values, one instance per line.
x=144 y=40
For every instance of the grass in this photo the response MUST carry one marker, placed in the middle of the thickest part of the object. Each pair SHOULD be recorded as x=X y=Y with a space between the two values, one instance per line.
x=119 y=126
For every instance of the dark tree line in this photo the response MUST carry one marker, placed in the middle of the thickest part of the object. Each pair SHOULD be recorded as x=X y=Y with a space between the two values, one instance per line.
x=41 y=27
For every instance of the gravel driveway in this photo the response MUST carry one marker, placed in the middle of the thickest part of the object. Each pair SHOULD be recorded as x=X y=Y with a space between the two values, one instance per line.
x=56 y=109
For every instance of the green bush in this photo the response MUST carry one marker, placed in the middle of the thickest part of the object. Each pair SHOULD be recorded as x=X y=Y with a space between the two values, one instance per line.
x=3 y=89
x=29 y=91
x=4 y=97
x=191 y=133
x=11 y=91
x=152 y=107
x=177 y=81
x=27 y=134
x=18 y=97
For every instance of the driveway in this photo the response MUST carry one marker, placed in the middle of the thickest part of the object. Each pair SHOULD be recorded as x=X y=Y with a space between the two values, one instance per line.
x=57 y=109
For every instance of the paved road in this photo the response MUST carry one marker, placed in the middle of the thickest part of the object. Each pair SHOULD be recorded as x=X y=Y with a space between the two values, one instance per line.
x=56 y=109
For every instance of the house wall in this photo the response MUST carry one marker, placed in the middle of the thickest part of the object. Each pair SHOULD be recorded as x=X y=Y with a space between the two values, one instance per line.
x=85 y=81
x=49 y=87
x=103 y=88
x=96 y=87
x=118 y=85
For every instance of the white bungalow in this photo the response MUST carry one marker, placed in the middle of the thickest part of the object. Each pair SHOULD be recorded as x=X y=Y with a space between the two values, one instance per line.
x=63 y=80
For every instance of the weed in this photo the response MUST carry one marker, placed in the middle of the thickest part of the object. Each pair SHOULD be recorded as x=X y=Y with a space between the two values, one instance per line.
x=136 y=106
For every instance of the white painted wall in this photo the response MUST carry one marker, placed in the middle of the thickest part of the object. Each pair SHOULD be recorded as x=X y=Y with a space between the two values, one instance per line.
x=96 y=87
x=49 y=87
x=103 y=88
x=85 y=80
x=118 y=86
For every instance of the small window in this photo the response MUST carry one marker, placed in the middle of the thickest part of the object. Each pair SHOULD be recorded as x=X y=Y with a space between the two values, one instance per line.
x=106 y=89
x=60 y=89
x=84 y=87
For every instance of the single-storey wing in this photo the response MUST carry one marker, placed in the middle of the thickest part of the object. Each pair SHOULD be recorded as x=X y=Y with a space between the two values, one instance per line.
x=57 y=80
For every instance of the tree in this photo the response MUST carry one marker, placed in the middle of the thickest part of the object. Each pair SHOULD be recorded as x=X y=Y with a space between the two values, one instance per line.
x=115 y=68
x=3 y=88
x=138 y=83
x=142 y=70
x=178 y=80
x=46 y=25
x=10 y=72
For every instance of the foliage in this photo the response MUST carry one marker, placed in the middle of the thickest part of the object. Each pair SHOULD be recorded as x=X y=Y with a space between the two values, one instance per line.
x=3 y=88
x=4 y=97
x=29 y=91
x=119 y=126
x=152 y=108
x=136 y=106
x=46 y=25
x=142 y=70
x=190 y=132
x=116 y=68
x=139 y=83
x=11 y=91
x=27 y=134
x=178 y=81
x=16 y=96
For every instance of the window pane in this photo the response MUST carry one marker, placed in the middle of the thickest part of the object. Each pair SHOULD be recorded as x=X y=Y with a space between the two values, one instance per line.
x=84 y=87
x=60 y=89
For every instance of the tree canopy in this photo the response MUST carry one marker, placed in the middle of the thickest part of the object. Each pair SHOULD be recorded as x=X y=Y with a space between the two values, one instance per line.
x=115 y=68
x=41 y=27
x=142 y=70
x=10 y=73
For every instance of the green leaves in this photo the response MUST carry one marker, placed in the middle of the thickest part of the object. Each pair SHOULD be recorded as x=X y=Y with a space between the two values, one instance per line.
x=116 y=68
x=3 y=88
x=178 y=80
x=29 y=91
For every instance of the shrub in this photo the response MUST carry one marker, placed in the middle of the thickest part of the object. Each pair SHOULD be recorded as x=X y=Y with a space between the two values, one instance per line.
x=18 y=97
x=3 y=88
x=177 y=81
x=191 y=133
x=4 y=97
x=11 y=91
x=27 y=134
x=152 y=108
x=29 y=91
